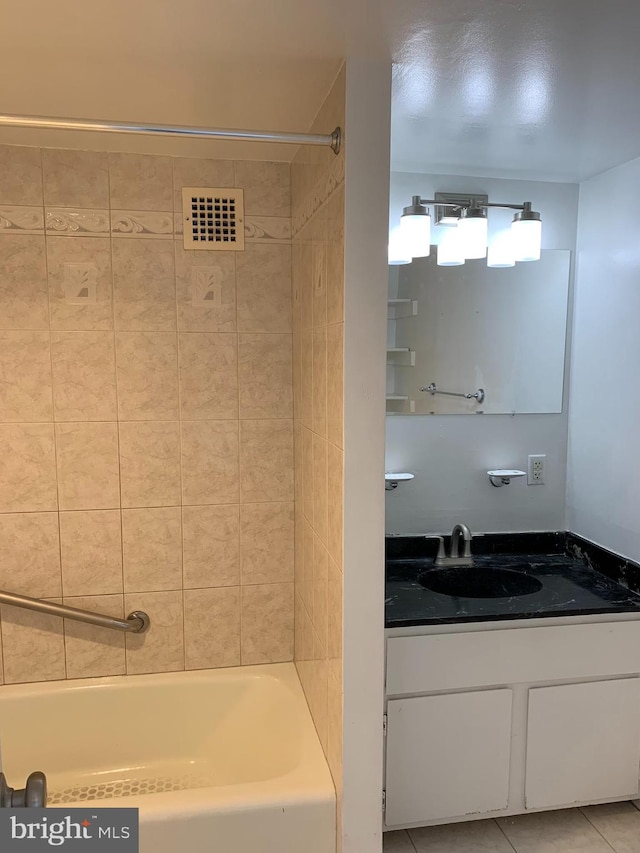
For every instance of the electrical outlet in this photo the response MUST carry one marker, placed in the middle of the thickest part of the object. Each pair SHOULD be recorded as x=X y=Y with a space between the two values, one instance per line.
x=535 y=469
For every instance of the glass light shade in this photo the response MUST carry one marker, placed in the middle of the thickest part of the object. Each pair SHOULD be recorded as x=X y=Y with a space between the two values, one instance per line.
x=398 y=250
x=501 y=252
x=450 y=252
x=416 y=233
x=527 y=239
x=474 y=234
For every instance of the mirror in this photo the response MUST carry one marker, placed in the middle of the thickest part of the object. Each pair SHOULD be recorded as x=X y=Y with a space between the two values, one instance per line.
x=498 y=334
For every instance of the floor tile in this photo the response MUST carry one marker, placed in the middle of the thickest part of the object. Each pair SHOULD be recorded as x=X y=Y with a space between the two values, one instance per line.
x=566 y=831
x=619 y=823
x=398 y=842
x=478 y=836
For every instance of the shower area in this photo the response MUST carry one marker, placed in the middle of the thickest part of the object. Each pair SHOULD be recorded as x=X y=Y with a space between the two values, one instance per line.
x=171 y=480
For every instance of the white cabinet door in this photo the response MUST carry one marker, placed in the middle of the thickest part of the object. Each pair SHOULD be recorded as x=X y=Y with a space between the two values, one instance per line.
x=447 y=755
x=583 y=743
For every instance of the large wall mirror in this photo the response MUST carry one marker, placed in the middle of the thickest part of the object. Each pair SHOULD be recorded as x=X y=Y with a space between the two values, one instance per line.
x=498 y=334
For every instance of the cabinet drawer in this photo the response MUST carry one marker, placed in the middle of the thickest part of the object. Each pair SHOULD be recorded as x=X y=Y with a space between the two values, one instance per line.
x=514 y=655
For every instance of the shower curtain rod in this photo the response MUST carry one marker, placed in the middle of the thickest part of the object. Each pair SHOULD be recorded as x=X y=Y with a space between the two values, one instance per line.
x=333 y=140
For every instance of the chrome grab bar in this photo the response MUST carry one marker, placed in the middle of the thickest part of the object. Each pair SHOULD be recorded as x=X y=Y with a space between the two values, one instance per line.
x=135 y=623
x=433 y=389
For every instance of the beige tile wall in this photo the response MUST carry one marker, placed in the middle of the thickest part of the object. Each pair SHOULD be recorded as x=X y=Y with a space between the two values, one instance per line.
x=317 y=178
x=146 y=430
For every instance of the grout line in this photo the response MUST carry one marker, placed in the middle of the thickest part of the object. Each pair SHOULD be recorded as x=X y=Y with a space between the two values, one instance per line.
x=239 y=458
x=53 y=417
x=1 y=651
x=604 y=838
x=236 y=332
x=515 y=849
x=410 y=840
x=115 y=365
x=176 y=245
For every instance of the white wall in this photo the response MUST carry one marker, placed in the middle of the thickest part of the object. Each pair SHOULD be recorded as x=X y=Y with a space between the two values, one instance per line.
x=603 y=493
x=450 y=453
x=368 y=103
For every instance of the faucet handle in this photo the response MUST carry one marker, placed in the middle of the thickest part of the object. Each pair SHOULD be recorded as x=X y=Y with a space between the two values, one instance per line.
x=441 y=552
x=33 y=796
x=35 y=792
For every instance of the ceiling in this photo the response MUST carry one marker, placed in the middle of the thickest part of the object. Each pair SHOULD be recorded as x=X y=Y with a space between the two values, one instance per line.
x=543 y=89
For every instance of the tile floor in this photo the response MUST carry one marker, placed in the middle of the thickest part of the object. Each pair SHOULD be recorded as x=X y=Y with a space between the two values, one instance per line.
x=595 y=829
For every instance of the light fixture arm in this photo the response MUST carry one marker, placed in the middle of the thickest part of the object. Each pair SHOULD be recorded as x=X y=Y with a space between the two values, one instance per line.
x=416 y=200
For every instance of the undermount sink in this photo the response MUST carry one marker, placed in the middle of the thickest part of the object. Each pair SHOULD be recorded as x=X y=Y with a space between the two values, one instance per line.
x=476 y=582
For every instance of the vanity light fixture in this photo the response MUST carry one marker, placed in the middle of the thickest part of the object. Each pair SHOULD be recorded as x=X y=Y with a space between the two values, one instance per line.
x=501 y=252
x=450 y=249
x=398 y=248
x=526 y=230
x=415 y=227
x=474 y=232
x=467 y=215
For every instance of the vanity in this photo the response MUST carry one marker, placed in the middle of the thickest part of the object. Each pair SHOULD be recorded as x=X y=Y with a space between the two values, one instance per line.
x=512 y=677
x=512 y=691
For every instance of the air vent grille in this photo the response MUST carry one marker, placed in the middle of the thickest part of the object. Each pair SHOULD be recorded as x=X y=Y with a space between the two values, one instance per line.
x=213 y=218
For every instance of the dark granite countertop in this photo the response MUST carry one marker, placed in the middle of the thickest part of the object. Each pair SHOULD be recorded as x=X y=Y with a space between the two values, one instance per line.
x=569 y=588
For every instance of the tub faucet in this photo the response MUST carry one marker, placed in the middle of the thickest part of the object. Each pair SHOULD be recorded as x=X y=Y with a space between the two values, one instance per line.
x=33 y=796
x=455 y=558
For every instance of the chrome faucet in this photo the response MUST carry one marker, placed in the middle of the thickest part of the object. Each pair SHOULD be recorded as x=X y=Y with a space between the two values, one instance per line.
x=455 y=558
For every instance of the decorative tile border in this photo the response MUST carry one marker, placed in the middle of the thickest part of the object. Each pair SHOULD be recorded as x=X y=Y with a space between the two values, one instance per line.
x=324 y=187
x=21 y=220
x=126 y=223
x=142 y=223
x=257 y=229
x=267 y=229
x=72 y=222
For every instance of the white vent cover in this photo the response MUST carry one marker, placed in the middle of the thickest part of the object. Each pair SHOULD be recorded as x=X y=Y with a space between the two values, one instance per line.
x=213 y=218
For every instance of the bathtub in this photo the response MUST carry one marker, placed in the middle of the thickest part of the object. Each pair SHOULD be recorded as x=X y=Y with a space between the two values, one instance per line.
x=217 y=761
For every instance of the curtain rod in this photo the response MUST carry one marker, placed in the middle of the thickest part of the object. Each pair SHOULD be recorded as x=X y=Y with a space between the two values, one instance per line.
x=333 y=140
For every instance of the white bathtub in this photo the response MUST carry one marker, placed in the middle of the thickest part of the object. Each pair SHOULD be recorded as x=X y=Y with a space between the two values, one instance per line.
x=226 y=761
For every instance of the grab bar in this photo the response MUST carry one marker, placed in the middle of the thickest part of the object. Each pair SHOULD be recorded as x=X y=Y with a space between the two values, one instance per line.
x=433 y=389
x=135 y=623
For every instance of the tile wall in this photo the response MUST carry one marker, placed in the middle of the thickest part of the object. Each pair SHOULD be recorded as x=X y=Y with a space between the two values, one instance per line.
x=318 y=316
x=146 y=427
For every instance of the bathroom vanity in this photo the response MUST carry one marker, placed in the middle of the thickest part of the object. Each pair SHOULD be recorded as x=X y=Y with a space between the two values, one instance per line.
x=502 y=704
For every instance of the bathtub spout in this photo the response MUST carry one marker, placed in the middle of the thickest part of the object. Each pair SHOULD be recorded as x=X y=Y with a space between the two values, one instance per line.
x=33 y=796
